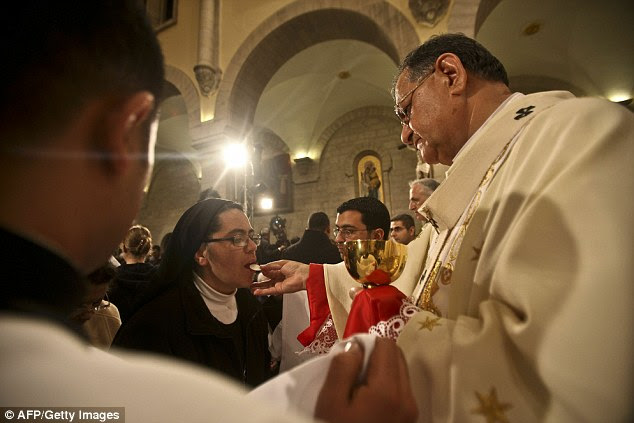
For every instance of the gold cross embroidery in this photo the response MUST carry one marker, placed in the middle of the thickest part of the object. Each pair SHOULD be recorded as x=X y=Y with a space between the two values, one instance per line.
x=490 y=408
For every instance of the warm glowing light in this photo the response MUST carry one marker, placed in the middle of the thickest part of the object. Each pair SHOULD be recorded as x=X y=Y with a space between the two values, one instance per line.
x=619 y=96
x=206 y=116
x=266 y=203
x=235 y=155
x=301 y=154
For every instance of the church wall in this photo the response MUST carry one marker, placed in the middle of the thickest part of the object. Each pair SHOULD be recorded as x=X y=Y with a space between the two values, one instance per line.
x=175 y=185
x=336 y=182
x=179 y=42
x=173 y=190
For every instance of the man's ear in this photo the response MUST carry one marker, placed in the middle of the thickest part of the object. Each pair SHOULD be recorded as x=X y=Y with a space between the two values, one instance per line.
x=125 y=131
x=377 y=234
x=450 y=65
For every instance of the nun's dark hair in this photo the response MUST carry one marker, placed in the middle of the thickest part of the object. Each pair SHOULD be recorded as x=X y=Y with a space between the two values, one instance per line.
x=177 y=263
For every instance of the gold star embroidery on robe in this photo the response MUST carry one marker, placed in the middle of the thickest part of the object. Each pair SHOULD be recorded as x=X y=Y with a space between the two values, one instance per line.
x=476 y=253
x=429 y=324
x=490 y=408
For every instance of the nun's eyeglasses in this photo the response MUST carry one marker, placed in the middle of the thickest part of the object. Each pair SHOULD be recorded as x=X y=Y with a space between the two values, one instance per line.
x=238 y=240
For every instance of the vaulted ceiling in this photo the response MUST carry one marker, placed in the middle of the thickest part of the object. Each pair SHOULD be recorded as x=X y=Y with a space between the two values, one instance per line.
x=583 y=46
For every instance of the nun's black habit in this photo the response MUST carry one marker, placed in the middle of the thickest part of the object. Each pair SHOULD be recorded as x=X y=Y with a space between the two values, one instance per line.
x=174 y=320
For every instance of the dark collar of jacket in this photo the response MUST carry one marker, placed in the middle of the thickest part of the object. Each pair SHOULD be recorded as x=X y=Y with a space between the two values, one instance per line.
x=134 y=275
x=311 y=235
x=36 y=281
x=198 y=319
x=311 y=240
x=313 y=247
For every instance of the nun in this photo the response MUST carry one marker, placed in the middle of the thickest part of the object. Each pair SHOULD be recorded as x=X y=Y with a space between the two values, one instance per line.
x=199 y=306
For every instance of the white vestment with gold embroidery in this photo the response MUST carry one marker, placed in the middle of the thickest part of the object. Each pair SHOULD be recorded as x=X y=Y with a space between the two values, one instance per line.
x=527 y=286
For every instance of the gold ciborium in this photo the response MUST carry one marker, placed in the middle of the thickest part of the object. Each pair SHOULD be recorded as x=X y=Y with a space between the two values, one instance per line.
x=374 y=262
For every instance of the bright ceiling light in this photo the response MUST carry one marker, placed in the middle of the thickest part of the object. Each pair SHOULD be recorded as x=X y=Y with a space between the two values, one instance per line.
x=266 y=203
x=235 y=155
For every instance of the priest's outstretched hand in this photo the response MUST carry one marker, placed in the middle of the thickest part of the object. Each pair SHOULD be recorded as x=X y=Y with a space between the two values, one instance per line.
x=284 y=277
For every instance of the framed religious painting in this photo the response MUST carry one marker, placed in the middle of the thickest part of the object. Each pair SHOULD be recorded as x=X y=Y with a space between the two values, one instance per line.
x=369 y=176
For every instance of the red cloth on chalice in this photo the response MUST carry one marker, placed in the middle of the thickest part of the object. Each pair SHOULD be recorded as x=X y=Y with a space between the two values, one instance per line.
x=369 y=307
x=372 y=305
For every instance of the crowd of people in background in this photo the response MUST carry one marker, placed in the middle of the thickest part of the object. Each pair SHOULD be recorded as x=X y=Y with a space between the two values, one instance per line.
x=124 y=284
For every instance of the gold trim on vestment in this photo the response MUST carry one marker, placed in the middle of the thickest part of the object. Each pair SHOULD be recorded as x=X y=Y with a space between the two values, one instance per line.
x=425 y=301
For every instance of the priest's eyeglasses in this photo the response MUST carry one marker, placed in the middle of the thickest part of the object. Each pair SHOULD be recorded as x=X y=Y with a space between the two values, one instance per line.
x=346 y=232
x=403 y=113
x=238 y=240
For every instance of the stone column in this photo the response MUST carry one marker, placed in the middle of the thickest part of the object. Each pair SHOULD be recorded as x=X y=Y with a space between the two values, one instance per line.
x=207 y=71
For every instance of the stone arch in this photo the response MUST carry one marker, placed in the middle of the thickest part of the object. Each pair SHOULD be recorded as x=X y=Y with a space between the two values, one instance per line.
x=484 y=10
x=289 y=31
x=184 y=84
x=270 y=142
x=370 y=111
x=313 y=171
x=467 y=16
